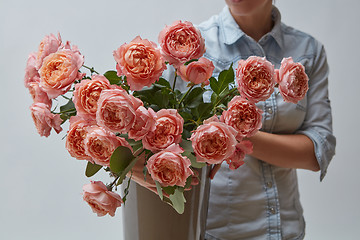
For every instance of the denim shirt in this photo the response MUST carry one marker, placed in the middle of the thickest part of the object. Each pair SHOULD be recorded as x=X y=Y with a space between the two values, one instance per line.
x=259 y=200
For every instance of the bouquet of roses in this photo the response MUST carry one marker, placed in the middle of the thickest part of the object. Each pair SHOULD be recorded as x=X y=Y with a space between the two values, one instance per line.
x=135 y=124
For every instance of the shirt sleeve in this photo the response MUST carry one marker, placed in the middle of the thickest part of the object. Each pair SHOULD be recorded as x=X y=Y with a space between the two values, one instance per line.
x=318 y=120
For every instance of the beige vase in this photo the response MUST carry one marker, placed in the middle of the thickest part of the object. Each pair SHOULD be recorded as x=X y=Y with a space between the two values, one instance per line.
x=146 y=217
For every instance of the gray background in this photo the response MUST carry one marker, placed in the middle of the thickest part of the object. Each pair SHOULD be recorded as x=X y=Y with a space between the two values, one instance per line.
x=41 y=185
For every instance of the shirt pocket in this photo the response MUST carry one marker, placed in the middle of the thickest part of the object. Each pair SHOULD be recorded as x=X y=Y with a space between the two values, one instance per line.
x=290 y=116
x=302 y=104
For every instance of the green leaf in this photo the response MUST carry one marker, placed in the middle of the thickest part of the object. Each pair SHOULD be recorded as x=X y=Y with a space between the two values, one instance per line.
x=192 y=60
x=159 y=190
x=68 y=107
x=204 y=110
x=121 y=162
x=193 y=161
x=161 y=83
x=92 y=169
x=194 y=98
x=186 y=145
x=214 y=85
x=226 y=77
x=169 y=190
x=113 y=77
x=178 y=201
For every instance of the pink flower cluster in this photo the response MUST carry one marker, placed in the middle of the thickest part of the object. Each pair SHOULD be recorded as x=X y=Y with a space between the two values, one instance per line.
x=105 y=112
x=256 y=79
x=49 y=73
x=143 y=63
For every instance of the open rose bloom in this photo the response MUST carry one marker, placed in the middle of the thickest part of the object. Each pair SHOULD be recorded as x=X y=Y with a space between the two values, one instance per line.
x=59 y=70
x=168 y=129
x=255 y=77
x=292 y=80
x=100 y=199
x=132 y=120
x=87 y=93
x=45 y=120
x=116 y=110
x=169 y=167
x=140 y=61
x=243 y=116
x=213 y=141
x=100 y=144
x=181 y=42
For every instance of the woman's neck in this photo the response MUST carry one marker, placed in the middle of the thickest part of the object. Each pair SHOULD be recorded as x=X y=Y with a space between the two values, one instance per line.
x=256 y=24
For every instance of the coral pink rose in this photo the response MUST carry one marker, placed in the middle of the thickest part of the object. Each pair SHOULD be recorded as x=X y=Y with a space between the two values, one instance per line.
x=100 y=145
x=197 y=71
x=31 y=73
x=38 y=95
x=169 y=167
x=117 y=110
x=75 y=138
x=181 y=42
x=100 y=199
x=255 y=78
x=237 y=159
x=243 y=116
x=45 y=120
x=140 y=61
x=87 y=93
x=48 y=45
x=144 y=123
x=59 y=70
x=168 y=129
x=293 y=81
x=214 y=141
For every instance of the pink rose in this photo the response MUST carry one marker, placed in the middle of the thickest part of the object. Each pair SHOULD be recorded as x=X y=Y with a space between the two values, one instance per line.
x=168 y=129
x=117 y=110
x=141 y=62
x=100 y=145
x=87 y=93
x=181 y=42
x=100 y=199
x=45 y=120
x=293 y=81
x=255 y=78
x=169 y=167
x=48 y=45
x=31 y=73
x=237 y=159
x=144 y=123
x=197 y=71
x=38 y=95
x=213 y=141
x=75 y=138
x=243 y=116
x=59 y=70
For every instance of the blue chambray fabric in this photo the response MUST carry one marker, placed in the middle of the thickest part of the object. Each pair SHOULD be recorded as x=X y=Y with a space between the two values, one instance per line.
x=259 y=200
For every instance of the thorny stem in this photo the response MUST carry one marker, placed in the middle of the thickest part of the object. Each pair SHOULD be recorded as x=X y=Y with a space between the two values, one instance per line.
x=221 y=99
x=183 y=97
x=109 y=187
x=175 y=76
x=92 y=70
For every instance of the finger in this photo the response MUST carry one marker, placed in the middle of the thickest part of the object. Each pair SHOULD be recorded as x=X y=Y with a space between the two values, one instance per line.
x=214 y=170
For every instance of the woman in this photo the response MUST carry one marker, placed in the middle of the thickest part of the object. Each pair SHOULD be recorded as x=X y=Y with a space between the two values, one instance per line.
x=260 y=200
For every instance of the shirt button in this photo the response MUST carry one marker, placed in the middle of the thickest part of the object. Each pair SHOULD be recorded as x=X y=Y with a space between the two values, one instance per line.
x=269 y=110
x=269 y=184
x=272 y=210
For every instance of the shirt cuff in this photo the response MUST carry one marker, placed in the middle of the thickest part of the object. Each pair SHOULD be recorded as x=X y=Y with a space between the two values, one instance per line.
x=324 y=145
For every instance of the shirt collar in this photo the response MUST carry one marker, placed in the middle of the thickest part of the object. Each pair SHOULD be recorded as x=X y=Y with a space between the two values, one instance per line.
x=231 y=32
